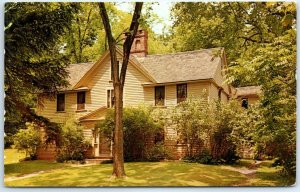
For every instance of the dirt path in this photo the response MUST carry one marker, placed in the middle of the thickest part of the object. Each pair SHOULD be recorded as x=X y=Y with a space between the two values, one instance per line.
x=249 y=172
x=24 y=176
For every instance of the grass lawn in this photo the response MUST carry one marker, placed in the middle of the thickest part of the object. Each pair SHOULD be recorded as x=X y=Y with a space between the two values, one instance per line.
x=173 y=173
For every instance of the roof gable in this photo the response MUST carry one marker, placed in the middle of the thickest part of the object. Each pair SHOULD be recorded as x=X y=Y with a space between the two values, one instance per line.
x=91 y=72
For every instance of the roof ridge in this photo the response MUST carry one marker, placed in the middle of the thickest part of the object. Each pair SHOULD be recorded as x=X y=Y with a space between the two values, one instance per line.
x=182 y=52
x=82 y=63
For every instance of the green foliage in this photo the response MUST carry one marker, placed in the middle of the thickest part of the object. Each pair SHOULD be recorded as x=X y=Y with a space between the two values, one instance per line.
x=141 y=128
x=260 y=43
x=157 y=152
x=210 y=126
x=84 y=41
x=276 y=68
x=28 y=140
x=74 y=143
x=33 y=62
x=239 y=27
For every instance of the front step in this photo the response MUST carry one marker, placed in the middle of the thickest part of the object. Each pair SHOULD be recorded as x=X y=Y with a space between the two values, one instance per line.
x=97 y=160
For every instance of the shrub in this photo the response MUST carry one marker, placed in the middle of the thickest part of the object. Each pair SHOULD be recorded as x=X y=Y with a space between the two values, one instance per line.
x=28 y=140
x=210 y=124
x=157 y=152
x=73 y=144
x=204 y=158
x=8 y=140
x=141 y=130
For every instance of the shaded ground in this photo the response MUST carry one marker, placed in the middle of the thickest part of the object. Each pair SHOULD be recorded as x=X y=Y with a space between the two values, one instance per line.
x=175 y=173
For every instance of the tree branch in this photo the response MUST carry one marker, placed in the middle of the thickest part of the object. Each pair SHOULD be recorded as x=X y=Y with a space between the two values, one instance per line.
x=129 y=40
x=111 y=42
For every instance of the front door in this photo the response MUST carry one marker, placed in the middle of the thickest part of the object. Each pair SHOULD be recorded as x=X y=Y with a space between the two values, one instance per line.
x=104 y=146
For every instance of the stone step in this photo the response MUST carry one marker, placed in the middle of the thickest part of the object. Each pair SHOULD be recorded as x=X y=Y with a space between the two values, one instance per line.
x=97 y=160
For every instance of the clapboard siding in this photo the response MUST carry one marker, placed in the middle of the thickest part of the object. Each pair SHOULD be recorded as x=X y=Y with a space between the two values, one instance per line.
x=220 y=78
x=197 y=90
x=97 y=96
x=171 y=95
x=48 y=109
x=213 y=93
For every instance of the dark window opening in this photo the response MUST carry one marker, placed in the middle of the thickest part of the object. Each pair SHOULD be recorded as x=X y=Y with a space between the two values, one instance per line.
x=160 y=95
x=60 y=99
x=245 y=103
x=80 y=100
x=181 y=92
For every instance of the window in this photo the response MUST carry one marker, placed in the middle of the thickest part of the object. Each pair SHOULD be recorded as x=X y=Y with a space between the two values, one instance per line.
x=111 y=70
x=80 y=100
x=181 y=92
x=245 y=103
x=160 y=95
x=60 y=102
x=110 y=98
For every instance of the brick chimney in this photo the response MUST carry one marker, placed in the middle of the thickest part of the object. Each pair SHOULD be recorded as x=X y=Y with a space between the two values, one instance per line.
x=140 y=44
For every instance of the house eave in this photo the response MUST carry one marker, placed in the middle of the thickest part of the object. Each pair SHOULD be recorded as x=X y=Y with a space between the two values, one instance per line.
x=178 y=82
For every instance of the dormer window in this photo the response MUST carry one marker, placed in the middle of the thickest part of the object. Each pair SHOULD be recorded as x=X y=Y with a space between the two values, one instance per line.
x=81 y=100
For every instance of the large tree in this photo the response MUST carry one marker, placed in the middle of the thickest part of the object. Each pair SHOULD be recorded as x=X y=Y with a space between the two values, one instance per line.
x=239 y=27
x=85 y=33
x=119 y=81
x=260 y=41
x=33 y=61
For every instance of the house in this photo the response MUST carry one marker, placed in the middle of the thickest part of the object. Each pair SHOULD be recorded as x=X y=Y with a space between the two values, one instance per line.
x=157 y=80
x=247 y=95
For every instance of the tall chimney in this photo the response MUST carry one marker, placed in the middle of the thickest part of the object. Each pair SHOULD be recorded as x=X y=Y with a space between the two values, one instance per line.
x=140 y=44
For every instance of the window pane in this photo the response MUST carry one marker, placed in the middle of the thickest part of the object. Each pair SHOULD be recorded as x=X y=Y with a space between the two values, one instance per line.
x=80 y=100
x=160 y=95
x=181 y=92
x=60 y=105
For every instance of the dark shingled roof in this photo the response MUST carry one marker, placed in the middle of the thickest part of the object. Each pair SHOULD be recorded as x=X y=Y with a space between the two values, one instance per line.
x=249 y=90
x=164 y=68
x=182 y=66
x=77 y=71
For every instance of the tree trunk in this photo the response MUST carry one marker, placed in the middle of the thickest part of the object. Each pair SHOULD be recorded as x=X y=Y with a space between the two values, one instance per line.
x=119 y=82
x=118 y=158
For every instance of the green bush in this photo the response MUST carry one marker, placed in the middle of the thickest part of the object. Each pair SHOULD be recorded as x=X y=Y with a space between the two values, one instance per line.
x=28 y=140
x=142 y=127
x=73 y=144
x=157 y=152
x=8 y=140
x=212 y=125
